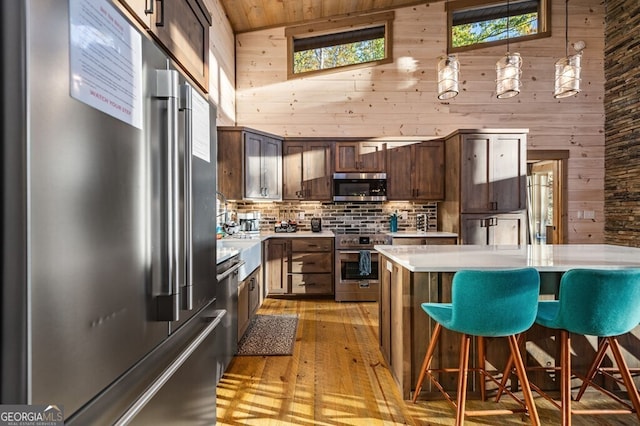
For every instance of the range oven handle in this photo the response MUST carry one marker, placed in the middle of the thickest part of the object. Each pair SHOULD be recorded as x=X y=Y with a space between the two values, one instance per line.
x=168 y=302
x=168 y=372
x=373 y=252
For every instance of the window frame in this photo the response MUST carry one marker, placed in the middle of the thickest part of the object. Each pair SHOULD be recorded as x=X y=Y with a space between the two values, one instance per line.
x=544 y=24
x=336 y=26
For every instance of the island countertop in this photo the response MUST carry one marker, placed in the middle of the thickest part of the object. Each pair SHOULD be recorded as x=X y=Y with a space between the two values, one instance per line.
x=545 y=258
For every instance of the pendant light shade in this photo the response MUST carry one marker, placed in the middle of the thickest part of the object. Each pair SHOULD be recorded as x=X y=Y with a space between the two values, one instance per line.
x=448 y=73
x=508 y=73
x=567 y=81
x=508 y=70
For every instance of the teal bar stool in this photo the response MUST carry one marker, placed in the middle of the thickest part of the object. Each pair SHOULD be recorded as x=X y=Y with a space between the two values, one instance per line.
x=591 y=302
x=487 y=303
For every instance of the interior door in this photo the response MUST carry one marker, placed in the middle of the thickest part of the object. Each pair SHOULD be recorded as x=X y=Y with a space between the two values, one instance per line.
x=548 y=204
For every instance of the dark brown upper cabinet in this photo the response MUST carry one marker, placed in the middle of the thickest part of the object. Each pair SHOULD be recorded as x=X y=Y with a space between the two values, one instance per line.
x=306 y=170
x=182 y=28
x=415 y=171
x=360 y=156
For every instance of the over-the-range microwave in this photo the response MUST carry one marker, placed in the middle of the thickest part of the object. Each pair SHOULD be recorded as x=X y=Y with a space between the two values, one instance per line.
x=359 y=187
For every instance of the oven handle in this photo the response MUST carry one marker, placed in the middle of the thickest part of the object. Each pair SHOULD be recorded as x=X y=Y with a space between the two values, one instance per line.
x=373 y=252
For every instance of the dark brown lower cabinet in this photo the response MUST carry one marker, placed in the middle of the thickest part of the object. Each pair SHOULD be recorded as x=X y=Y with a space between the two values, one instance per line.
x=299 y=266
x=248 y=300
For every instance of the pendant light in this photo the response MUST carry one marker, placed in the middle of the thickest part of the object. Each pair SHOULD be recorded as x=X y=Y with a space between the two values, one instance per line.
x=567 y=82
x=448 y=75
x=508 y=71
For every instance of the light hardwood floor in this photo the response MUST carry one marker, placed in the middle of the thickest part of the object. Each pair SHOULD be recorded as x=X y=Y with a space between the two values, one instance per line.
x=337 y=376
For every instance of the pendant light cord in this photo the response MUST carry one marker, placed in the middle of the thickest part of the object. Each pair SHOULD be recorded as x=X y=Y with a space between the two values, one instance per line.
x=566 y=28
x=508 y=18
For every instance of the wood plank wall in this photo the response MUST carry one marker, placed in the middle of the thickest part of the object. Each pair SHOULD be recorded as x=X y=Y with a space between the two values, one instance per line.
x=622 y=130
x=222 y=77
x=399 y=99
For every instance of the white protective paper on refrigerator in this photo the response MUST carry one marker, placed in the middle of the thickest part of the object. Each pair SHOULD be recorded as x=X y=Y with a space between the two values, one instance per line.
x=201 y=139
x=105 y=63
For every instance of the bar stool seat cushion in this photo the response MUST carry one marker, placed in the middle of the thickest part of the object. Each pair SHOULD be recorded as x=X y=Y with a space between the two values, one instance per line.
x=495 y=304
x=594 y=303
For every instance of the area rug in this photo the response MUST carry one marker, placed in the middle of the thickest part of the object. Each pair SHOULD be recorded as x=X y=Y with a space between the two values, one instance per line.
x=269 y=335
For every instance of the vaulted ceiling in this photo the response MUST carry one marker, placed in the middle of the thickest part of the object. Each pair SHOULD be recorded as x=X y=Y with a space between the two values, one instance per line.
x=251 y=15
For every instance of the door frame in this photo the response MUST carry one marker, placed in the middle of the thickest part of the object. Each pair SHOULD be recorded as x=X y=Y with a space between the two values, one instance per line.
x=560 y=158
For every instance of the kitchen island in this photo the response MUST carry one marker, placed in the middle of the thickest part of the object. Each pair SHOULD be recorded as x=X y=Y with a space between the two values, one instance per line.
x=411 y=275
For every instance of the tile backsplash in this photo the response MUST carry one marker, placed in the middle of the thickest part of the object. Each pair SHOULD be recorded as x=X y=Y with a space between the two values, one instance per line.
x=340 y=217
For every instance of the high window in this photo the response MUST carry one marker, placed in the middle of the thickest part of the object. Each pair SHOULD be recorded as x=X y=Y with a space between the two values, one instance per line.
x=338 y=44
x=478 y=23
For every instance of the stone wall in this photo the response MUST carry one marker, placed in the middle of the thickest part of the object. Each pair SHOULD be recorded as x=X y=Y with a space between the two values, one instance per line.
x=622 y=123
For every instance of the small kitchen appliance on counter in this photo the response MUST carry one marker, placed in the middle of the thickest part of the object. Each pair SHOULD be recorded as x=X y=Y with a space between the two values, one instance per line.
x=285 y=226
x=316 y=224
x=422 y=222
x=249 y=222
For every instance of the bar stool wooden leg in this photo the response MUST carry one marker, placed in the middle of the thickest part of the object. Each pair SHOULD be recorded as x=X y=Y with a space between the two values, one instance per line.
x=427 y=360
x=507 y=370
x=463 y=374
x=522 y=375
x=593 y=369
x=565 y=377
x=626 y=374
x=481 y=364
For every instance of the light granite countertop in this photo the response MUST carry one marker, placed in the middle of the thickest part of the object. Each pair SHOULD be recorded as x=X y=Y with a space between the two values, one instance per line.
x=545 y=258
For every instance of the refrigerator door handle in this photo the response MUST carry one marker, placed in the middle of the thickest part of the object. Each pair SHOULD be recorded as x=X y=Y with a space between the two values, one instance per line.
x=167 y=88
x=186 y=107
x=139 y=404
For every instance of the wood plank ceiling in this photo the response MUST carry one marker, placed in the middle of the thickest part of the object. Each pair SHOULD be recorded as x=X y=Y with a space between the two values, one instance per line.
x=251 y=15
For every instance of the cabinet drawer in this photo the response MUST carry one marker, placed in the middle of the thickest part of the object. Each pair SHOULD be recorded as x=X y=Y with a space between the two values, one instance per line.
x=312 y=244
x=310 y=262
x=441 y=241
x=311 y=283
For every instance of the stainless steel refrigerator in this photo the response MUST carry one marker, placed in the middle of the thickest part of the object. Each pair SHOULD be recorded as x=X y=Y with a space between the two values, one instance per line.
x=108 y=220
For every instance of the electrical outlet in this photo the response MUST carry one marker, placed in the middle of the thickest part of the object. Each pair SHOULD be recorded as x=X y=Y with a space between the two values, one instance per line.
x=589 y=214
x=404 y=215
x=300 y=215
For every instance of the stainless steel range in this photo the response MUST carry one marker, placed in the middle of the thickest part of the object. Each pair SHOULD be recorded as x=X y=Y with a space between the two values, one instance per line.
x=357 y=266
